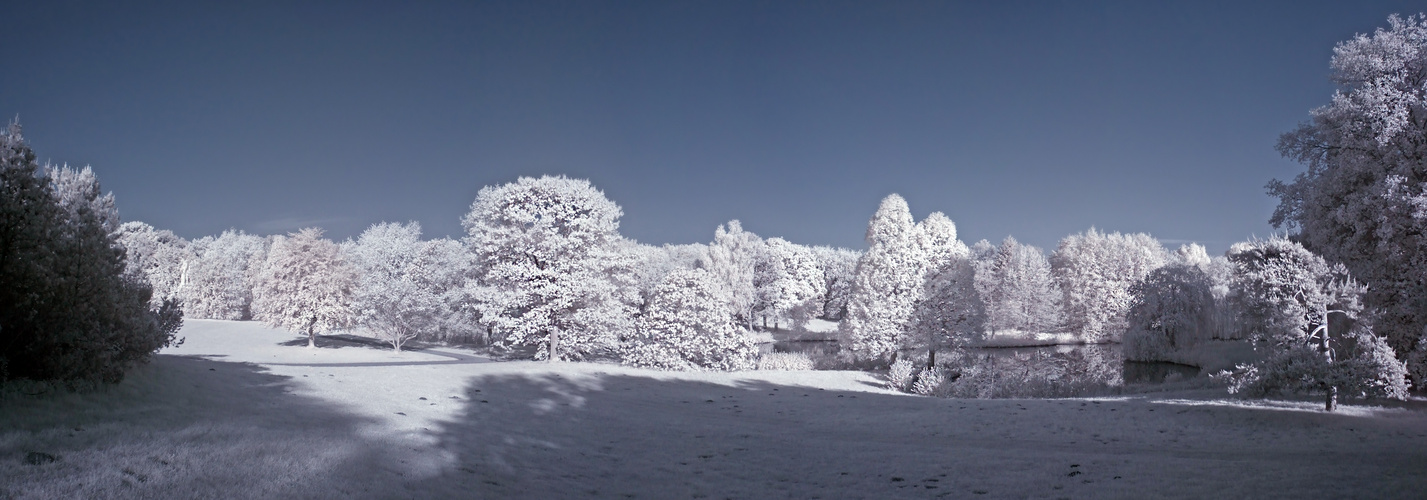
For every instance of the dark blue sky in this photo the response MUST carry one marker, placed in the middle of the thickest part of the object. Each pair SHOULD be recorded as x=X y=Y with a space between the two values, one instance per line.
x=1033 y=119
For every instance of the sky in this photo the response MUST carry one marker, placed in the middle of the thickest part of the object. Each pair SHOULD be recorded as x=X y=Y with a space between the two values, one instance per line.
x=1030 y=119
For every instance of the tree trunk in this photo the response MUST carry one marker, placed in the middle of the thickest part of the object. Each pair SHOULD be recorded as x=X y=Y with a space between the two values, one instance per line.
x=553 y=347
x=311 y=335
x=931 y=358
x=1332 y=399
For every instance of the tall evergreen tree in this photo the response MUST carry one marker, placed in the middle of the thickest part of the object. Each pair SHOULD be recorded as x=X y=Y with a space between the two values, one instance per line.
x=886 y=285
x=68 y=310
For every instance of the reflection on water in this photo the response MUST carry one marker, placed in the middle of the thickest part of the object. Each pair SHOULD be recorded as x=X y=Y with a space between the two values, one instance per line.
x=1139 y=372
x=1103 y=361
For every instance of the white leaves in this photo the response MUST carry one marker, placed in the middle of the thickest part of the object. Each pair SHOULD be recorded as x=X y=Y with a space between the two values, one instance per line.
x=305 y=285
x=1020 y=293
x=550 y=266
x=218 y=275
x=886 y=286
x=686 y=326
x=1095 y=271
x=405 y=285
x=795 y=284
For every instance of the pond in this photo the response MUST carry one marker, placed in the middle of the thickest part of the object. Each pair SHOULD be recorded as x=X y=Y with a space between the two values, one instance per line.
x=1103 y=356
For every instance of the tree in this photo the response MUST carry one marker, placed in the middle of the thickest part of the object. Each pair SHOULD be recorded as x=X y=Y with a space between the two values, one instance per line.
x=949 y=313
x=400 y=292
x=448 y=267
x=305 y=285
x=796 y=286
x=886 y=285
x=654 y=263
x=1170 y=309
x=733 y=259
x=219 y=279
x=1019 y=291
x=1363 y=199
x=157 y=256
x=1306 y=313
x=838 y=266
x=68 y=311
x=549 y=268
x=685 y=326
x=1095 y=271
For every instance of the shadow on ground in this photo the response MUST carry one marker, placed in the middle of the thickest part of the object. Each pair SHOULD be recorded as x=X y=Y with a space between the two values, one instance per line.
x=184 y=427
x=586 y=436
x=341 y=340
x=194 y=428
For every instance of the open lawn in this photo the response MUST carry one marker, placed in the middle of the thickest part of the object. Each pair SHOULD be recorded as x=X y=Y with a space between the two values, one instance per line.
x=242 y=411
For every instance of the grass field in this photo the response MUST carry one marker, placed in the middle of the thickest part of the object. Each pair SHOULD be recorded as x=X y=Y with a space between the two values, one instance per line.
x=241 y=411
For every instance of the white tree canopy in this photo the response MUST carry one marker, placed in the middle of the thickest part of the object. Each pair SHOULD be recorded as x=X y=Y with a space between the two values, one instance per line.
x=218 y=275
x=886 y=286
x=1095 y=271
x=550 y=270
x=686 y=326
x=305 y=285
x=732 y=258
x=401 y=292
x=1363 y=199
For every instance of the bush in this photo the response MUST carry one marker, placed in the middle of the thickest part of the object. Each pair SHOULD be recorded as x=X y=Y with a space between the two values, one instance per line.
x=901 y=375
x=928 y=382
x=792 y=361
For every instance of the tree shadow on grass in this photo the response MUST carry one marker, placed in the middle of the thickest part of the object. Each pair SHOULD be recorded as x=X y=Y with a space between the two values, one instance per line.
x=581 y=434
x=183 y=427
x=341 y=340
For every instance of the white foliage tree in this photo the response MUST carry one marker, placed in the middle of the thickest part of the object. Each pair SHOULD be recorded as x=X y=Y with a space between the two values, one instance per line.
x=401 y=292
x=75 y=187
x=305 y=285
x=1095 y=271
x=797 y=285
x=450 y=266
x=687 y=326
x=158 y=256
x=1362 y=200
x=949 y=313
x=1306 y=313
x=886 y=286
x=218 y=278
x=550 y=270
x=732 y=258
x=1019 y=290
x=654 y=263
x=838 y=266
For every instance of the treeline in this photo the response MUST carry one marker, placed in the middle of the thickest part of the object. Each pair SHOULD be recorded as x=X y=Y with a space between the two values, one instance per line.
x=543 y=268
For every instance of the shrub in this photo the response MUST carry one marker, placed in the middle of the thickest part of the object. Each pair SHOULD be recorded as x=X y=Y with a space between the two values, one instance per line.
x=901 y=375
x=928 y=382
